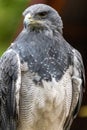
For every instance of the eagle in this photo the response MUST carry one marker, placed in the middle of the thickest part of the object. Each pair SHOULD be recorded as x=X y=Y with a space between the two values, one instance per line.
x=41 y=75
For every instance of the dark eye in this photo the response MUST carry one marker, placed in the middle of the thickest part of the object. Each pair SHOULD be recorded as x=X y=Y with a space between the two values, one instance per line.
x=42 y=14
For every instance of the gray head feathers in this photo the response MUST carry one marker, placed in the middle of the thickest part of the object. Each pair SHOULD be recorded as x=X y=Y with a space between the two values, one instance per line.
x=52 y=14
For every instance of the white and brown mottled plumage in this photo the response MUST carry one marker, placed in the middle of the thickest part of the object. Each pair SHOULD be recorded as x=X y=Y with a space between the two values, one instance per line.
x=41 y=75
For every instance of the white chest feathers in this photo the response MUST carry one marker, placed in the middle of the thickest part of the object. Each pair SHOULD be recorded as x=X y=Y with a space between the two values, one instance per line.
x=44 y=106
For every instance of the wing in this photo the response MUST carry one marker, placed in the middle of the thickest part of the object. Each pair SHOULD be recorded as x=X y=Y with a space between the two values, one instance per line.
x=10 y=79
x=78 y=86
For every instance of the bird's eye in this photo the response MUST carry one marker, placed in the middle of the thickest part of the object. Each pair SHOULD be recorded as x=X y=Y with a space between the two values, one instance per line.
x=42 y=14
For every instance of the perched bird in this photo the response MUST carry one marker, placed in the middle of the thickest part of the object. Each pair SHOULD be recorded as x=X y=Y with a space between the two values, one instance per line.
x=41 y=75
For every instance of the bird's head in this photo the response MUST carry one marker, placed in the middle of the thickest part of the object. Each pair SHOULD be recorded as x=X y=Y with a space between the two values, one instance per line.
x=41 y=16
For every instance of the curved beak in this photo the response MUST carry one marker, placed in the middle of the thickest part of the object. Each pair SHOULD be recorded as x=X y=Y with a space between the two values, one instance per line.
x=29 y=20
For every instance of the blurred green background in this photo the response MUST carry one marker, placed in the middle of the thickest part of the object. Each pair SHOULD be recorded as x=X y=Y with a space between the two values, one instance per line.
x=10 y=17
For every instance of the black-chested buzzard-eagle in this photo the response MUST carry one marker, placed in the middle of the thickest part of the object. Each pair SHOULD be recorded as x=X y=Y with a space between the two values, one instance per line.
x=41 y=75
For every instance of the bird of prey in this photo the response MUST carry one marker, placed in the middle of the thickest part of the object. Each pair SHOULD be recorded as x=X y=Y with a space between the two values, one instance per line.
x=41 y=75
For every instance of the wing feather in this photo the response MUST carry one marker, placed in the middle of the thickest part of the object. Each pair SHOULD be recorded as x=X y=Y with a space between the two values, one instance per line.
x=78 y=86
x=10 y=79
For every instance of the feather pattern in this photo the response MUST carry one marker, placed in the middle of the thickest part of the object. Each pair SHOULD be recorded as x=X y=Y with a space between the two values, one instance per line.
x=9 y=86
x=41 y=76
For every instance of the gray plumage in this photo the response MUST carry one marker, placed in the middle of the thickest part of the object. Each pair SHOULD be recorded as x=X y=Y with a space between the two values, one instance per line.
x=41 y=75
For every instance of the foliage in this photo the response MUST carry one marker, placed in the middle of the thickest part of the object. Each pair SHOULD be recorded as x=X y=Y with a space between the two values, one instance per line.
x=10 y=15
